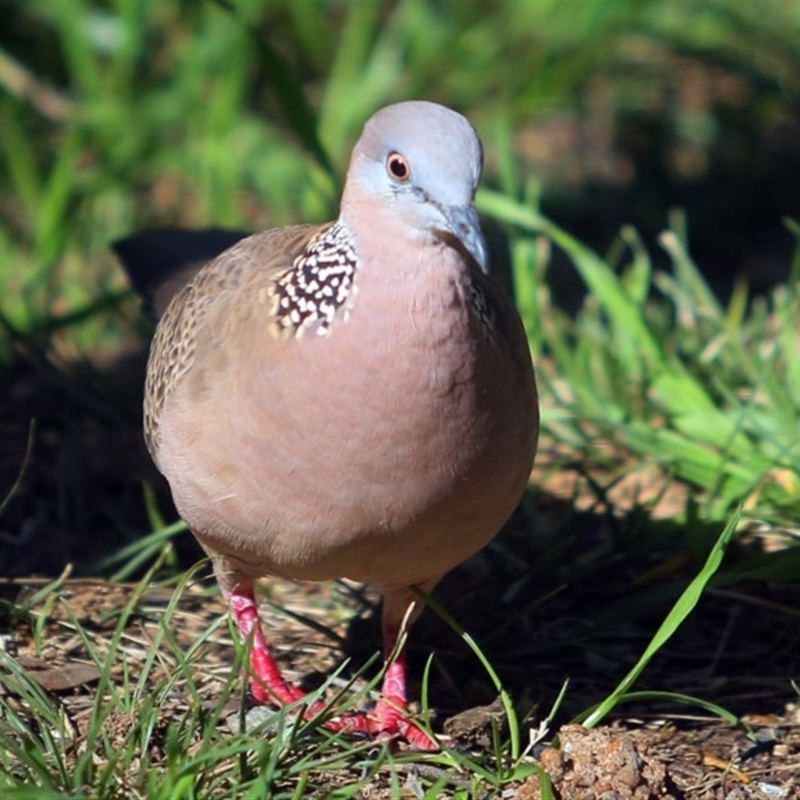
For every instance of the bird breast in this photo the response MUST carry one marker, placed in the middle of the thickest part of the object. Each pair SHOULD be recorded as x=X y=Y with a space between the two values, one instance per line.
x=379 y=451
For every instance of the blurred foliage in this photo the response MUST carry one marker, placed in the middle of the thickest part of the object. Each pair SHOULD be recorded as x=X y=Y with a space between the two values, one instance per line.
x=120 y=114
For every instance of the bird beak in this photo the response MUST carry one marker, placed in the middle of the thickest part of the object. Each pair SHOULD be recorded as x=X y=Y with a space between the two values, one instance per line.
x=464 y=225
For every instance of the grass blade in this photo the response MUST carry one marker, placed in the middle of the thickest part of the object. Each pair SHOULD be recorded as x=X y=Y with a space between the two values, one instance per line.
x=685 y=605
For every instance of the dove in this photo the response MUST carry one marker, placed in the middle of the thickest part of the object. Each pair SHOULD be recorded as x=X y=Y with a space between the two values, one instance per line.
x=353 y=399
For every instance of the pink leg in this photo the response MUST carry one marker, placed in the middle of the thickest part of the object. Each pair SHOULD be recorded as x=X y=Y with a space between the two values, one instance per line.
x=266 y=682
x=390 y=717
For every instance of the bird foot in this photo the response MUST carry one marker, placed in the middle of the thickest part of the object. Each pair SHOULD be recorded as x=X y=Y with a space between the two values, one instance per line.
x=390 y=719
x=387 y=721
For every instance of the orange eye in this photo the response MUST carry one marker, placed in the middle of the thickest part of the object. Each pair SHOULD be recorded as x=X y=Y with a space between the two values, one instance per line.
x=398 y=167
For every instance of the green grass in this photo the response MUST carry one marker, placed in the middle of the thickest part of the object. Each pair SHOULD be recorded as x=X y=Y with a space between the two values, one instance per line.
x=138 y=114
x=709 y=393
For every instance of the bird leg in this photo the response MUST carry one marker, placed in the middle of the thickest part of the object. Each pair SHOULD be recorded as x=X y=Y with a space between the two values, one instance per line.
x=390 y=716
x=266 y=682
x=267 y=685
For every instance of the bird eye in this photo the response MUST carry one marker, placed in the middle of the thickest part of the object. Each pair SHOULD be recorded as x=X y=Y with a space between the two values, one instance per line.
x=398 y=167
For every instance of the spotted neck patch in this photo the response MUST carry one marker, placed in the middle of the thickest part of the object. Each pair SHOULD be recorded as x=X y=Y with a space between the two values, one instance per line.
x=321 y=279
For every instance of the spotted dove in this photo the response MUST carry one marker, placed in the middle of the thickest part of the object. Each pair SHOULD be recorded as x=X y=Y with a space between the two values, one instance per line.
x=354 y=399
